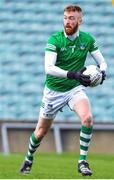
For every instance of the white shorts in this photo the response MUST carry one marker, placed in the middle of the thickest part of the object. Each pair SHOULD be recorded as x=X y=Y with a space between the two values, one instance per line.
x=54 y=101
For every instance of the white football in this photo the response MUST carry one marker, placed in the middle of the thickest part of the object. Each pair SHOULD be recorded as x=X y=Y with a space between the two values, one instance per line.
x=95 y=75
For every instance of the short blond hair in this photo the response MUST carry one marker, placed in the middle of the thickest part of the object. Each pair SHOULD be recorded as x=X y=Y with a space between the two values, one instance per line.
x=73 y=8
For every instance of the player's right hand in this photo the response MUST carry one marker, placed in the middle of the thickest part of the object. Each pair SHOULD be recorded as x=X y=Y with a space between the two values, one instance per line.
x=83 y=79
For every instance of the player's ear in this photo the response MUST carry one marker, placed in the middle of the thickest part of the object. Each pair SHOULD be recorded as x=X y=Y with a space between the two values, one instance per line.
x=80 y=20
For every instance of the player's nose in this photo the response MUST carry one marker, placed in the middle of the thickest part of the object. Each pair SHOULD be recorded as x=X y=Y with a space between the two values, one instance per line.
x=68 y=24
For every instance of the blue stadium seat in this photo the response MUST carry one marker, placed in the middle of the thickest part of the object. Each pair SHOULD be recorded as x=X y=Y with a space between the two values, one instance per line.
x=25 y=27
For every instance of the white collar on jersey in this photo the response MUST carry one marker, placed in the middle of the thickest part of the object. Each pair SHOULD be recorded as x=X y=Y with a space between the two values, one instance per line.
x=72 y=37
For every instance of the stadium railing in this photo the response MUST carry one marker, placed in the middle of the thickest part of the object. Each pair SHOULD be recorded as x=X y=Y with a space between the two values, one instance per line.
x=57 y=127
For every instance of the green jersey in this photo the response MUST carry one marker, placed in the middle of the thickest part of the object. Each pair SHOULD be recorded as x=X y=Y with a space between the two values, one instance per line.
x=71 y=56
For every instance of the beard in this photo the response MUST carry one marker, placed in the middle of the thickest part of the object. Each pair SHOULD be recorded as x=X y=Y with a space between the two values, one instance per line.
x=69 y=30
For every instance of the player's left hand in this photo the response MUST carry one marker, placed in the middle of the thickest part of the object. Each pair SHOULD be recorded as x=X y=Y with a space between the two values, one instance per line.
x=103 y=76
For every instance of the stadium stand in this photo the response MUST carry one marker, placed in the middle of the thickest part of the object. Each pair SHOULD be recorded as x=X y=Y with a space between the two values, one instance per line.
x=24 y=29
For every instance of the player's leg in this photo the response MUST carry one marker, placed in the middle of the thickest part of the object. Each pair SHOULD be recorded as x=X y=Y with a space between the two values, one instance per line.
x=52 y=102
x=82 y=108
x=80 y=104
x=42 y=128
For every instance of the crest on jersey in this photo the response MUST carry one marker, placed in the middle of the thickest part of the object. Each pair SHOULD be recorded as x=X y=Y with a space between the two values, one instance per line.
x=82 y=46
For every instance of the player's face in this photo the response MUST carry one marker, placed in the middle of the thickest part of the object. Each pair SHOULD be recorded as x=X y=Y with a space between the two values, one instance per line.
x=72 y=20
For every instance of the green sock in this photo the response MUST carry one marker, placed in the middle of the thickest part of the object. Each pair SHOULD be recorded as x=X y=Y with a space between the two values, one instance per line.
x=85 y=137
x=33 y=145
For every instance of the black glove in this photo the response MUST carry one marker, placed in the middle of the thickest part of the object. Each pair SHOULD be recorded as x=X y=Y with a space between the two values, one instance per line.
x=83 y=79
x=103 y=76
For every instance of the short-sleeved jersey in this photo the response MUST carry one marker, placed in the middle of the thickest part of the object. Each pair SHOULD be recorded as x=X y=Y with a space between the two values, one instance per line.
x=71 y=56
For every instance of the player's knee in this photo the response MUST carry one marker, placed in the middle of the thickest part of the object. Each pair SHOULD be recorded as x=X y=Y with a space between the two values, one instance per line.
x=87 y=120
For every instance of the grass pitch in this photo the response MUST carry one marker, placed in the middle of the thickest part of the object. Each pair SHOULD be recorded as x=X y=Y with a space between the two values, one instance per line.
x=54 y=166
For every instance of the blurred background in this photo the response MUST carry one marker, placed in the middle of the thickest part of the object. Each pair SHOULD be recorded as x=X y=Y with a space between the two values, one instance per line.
x=25 y=26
